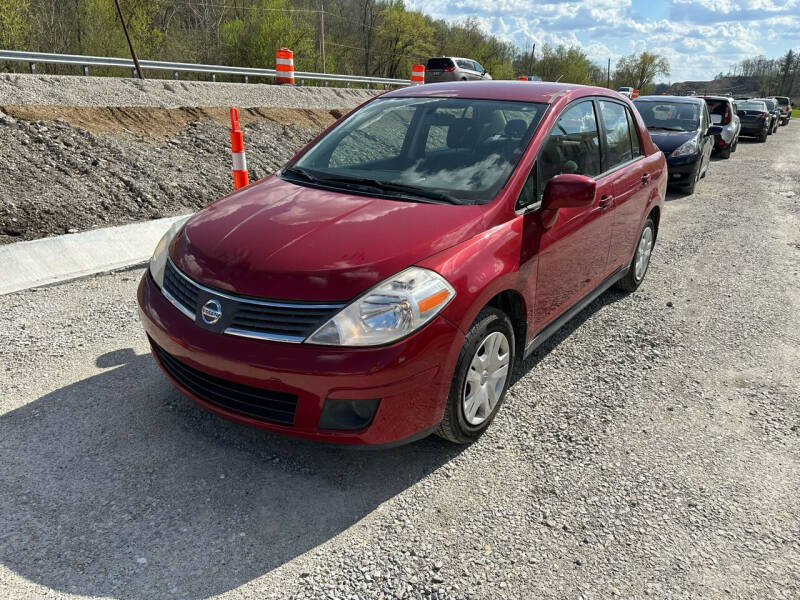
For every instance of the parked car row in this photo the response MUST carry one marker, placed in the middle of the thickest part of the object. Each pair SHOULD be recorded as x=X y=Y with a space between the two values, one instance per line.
x=688 y=129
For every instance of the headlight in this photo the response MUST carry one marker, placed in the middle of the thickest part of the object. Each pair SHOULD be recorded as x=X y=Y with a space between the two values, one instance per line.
x=395 y=308
x=159 y=260
x=686 y=148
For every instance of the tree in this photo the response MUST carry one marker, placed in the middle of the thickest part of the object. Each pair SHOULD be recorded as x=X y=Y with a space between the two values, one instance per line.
x=14 y=23
x=403 y=38
x=639 y=71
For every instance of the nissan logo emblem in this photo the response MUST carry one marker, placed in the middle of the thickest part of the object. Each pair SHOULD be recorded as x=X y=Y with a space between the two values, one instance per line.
x=211 y=312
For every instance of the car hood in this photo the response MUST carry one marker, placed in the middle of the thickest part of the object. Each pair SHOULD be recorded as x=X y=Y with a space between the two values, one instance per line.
x=285 y=241
x=667 y=141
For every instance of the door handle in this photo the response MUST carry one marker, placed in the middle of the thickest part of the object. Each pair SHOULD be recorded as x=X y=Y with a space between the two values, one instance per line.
x=605 y=200
x=645 y=178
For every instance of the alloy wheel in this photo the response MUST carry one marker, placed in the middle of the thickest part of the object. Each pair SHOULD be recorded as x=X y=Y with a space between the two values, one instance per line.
x=643 y=251
x=486 y=378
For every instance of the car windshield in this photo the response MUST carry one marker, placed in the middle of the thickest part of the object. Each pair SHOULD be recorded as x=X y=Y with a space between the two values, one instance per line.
x=670 y=116
x=455 y=150
x=751 y=106
x=770 y=103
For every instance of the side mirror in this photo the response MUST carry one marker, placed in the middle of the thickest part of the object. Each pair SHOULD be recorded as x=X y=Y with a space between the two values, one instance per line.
x=566 y=191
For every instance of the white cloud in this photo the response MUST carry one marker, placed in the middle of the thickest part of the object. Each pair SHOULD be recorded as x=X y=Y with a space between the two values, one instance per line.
x=700 y=37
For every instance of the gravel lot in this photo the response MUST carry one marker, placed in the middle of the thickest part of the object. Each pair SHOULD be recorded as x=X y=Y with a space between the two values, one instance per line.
x=651 y=449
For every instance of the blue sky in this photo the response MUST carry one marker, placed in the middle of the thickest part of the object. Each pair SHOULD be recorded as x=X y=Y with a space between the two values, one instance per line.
x=699 y=37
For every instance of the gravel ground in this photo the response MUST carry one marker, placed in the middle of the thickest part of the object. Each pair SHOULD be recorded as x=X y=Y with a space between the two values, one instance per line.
x=650 y=449
x=112 y=91
x=57 y=179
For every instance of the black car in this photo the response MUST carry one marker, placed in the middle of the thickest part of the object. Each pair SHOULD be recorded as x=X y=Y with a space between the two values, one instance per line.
x=756 y=119
x=681 y=127
x=774 y=111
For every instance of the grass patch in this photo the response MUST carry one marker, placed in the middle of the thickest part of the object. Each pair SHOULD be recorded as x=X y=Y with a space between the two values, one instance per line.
x=796 y=113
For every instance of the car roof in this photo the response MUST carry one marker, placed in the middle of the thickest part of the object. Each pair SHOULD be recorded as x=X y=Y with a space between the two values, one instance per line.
x=683 y=99
x=521 y=91
x=714 y=97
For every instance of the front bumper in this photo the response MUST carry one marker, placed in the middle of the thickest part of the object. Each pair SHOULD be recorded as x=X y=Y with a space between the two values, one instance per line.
x=683 y=169
x=411 y=378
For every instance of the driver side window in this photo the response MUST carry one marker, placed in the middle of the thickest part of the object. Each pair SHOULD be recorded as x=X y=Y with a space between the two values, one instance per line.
x=573 y=146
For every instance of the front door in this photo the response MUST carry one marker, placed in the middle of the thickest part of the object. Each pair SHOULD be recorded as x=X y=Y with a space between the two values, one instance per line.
x=573 y=253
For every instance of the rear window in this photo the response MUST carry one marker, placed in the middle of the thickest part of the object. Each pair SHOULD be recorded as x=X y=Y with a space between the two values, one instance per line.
x=438 y=63
x=751 y=106
x=783 y=100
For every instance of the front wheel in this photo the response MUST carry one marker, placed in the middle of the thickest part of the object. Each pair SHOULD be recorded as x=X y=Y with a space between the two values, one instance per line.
x=481 y=379
x=641 y=258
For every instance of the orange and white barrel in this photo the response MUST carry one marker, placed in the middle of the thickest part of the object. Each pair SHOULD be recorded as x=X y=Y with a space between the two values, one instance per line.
x=417 y=74
x=284 y=65
x=635 y=94
x=522 y=78
x=240 y=176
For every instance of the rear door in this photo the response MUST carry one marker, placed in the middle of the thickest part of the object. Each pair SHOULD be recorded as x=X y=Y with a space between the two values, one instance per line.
x=628 y=171
x=438 y=69
x=573 y=253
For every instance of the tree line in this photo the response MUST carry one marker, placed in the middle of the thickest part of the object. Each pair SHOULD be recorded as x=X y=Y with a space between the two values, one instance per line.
x=776 y=76
x=380 y=38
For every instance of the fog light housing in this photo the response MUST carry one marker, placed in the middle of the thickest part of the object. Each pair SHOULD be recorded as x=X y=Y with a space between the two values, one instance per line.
x=347 y=415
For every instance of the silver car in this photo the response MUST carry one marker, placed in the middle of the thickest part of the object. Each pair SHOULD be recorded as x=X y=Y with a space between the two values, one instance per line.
x=450 y=68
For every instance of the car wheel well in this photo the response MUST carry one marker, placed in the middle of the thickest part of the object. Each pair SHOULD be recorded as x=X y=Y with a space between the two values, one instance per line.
x=513 y=304
x=655 y=214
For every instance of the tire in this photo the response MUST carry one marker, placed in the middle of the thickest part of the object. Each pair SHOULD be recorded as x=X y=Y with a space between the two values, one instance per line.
x=762 y=138
x=689 y=189
x=726 y=152
x=735 y=146
x=635 y=276
x=457 y=425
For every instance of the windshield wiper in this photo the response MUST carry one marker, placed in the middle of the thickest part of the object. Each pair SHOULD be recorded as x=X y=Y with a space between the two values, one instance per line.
x=666 y=128
x=303 y=173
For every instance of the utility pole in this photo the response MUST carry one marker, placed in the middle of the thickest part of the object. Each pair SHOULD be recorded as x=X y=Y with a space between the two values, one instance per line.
x=130 y=44
x=608 y=74
x=533 y=59
x=322 y=31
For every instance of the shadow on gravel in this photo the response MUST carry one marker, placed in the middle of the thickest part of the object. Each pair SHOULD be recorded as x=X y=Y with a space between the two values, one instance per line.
x=119 y=486
x=562 y=334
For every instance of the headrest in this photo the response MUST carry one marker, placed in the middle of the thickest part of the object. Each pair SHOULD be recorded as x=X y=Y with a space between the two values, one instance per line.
x=516 y=128
x=458 y=133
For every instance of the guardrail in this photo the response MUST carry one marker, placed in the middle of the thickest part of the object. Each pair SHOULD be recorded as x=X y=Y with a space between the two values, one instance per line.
x=34 y=58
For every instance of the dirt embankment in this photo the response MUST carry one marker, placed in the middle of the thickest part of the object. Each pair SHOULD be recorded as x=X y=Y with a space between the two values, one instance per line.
x=71 y=168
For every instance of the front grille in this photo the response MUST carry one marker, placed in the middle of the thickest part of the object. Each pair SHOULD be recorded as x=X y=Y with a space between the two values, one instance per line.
x=265 y=405
x=249 y=317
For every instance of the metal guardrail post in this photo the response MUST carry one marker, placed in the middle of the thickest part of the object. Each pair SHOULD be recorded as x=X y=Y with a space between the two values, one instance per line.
x=213 y=77
x=32 y=67
x=175 y=75
x=246 y=79
x=85 y=70
x=133 y=72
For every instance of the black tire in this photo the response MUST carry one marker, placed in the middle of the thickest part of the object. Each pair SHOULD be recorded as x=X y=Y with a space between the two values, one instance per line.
x=689 y=189
x=454 y=426
x=630 y=282
x=762 y=138
x=725 y=152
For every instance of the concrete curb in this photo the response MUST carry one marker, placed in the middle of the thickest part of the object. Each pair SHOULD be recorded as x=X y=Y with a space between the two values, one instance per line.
x=65 y=257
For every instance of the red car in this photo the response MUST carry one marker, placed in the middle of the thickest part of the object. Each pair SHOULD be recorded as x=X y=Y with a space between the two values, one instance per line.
x=386 y=282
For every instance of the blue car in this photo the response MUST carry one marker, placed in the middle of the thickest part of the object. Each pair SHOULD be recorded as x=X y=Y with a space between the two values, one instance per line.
x=681 y=128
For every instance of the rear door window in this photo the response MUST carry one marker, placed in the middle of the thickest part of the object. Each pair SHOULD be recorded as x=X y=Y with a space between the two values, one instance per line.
x=573 y=145
x=617 y=133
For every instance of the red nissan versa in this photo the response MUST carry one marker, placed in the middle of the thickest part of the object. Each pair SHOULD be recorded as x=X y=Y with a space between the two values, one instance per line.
x=385 y=283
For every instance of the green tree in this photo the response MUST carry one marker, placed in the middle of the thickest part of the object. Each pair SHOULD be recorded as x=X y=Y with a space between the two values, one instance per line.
x=640 y=70
x=403 y=37
x=14 y=24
